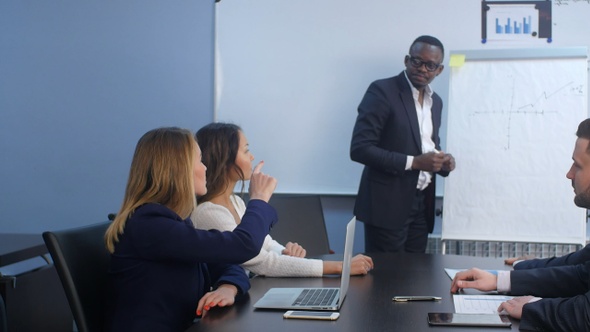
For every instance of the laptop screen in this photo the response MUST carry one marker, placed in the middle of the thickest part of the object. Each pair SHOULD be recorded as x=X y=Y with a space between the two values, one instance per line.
x=349 y=243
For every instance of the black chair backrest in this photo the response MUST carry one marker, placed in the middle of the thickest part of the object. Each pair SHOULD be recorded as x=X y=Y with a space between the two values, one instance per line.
x=3 y=318
x=301 y=220
x=82 y=261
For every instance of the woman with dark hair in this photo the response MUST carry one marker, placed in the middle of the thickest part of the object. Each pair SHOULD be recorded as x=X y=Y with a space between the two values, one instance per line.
x=227 y=155
x=162 y=269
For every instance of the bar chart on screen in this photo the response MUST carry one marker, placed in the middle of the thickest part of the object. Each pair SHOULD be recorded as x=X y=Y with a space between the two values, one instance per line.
x=516 y=21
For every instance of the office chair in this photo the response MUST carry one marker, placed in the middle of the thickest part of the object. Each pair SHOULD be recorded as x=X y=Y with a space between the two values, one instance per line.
x=301 y=220
x=3 y=318
x=82 y=261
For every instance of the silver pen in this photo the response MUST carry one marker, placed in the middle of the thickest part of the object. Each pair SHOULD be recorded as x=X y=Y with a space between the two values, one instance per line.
x=416 y=298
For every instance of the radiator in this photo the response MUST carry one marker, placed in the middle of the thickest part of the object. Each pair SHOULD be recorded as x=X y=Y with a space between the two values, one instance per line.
x=498 y=249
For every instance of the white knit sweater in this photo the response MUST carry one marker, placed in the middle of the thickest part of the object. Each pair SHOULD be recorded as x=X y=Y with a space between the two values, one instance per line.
x=269 y=262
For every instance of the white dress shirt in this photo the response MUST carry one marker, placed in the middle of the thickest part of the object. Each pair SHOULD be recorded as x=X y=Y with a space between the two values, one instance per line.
x=424 y=113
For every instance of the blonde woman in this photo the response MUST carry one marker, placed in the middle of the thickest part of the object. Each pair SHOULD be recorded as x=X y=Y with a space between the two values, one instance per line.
x=162 y=269
x=229 y=160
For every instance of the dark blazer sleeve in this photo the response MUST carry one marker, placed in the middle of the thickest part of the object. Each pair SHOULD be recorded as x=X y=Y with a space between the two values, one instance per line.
x=229 y=274
x=372 y=124
x=558 y=314
x=156 y=238
x=566 y=298
x=578 y=257
x=559 y=281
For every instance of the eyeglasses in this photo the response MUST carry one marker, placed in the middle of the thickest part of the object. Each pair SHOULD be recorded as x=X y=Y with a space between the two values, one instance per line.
x=417 y=63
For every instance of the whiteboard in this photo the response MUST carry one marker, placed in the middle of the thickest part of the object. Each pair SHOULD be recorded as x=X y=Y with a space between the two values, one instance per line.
x=292 y=73
x=511 y=123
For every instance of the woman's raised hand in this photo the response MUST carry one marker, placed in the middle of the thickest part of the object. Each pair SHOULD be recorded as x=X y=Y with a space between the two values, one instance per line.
x=261 y=185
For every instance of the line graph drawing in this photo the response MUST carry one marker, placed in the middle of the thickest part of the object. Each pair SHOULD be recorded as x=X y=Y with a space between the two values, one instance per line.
x=535 y=107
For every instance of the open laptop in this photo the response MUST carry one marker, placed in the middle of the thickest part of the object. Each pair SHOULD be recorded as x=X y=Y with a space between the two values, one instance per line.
x=313 y=298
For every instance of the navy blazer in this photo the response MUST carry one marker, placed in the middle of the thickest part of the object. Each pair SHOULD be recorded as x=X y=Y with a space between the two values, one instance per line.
x=577 y=257
x=566 y=297
x=385 y=133
x=162 y=266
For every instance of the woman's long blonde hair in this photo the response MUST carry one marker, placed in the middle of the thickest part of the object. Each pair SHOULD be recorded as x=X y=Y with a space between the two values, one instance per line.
x=161 y=172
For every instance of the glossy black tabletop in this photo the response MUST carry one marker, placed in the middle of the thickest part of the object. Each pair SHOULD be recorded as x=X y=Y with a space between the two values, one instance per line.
x=368 y=305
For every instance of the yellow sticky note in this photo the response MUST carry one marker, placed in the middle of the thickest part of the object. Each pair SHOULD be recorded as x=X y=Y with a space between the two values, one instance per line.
x=457 y=60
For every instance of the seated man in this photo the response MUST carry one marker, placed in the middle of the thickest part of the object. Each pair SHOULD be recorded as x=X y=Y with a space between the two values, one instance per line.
x=563 y=302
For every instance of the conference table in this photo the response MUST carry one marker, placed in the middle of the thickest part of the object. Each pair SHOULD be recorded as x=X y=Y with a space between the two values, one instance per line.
x=368 y=305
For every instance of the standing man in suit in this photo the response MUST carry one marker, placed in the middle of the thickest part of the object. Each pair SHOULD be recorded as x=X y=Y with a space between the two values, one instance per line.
x=396 y=137
x=562 y=291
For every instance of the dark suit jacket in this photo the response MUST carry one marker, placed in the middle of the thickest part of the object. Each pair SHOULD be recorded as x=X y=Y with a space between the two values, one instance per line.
x=385 y=132
x=578 y=257
x=566 y=297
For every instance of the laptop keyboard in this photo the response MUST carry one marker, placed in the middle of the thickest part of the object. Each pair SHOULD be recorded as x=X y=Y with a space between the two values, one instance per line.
x=316 y=297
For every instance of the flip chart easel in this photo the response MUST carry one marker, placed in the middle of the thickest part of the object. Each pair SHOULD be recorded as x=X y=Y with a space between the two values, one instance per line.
x=512 y=120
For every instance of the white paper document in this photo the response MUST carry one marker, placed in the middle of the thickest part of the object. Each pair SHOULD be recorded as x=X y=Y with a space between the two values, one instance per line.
x=478 y=304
